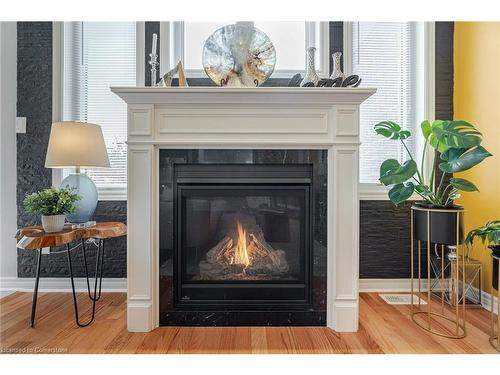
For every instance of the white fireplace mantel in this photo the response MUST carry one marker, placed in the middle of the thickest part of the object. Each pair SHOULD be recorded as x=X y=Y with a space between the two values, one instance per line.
x=270 y=118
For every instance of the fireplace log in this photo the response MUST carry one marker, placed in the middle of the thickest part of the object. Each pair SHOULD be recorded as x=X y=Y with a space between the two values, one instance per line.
x=265 y=262
x=220 y=251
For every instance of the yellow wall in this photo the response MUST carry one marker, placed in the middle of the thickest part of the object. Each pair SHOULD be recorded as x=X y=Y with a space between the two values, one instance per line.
x=477 y=100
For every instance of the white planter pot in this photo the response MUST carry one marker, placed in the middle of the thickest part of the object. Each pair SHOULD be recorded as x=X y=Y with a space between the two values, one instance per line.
x=53 y=223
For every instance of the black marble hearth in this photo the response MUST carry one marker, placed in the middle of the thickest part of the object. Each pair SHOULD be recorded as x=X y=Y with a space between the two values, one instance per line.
x=195 y=290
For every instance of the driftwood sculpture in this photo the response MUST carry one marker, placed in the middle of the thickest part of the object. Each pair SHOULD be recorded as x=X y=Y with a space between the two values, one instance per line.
x=167 y=78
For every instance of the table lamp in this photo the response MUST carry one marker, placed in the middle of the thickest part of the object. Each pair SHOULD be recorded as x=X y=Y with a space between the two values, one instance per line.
x=78 y=145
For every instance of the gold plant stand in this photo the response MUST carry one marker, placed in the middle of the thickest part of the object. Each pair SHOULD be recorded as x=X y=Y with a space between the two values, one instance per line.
x=494 y=341
x=437 y=322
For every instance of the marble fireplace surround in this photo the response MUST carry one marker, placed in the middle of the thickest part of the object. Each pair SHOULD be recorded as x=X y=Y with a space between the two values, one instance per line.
x=249 y=118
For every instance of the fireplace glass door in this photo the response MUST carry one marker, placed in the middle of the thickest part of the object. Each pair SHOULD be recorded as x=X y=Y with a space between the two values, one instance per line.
x=243 y=239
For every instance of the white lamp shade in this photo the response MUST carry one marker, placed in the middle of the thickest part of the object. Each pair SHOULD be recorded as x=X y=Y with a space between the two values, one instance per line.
x=76 y=144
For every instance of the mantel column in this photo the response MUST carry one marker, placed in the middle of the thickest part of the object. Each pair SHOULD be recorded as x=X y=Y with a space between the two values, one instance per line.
x=142 y=274
x=343 y=221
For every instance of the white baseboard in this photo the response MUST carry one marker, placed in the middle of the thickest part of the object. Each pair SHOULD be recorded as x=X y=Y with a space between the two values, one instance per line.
x=403 y=285
x=60 y=284
x=388 y=285
x=486 y=300
x=56 y=284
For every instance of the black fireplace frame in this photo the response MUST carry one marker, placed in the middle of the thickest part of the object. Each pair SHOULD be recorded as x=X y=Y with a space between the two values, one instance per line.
x=244 y=177
x=171 y=315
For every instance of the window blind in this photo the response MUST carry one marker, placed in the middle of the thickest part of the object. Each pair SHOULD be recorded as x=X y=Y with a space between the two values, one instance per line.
x=98 y=55
x=385 y=56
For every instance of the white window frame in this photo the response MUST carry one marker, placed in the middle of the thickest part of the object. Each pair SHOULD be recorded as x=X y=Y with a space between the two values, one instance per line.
x=172 y=49
x=377 y=191
x=104 y=193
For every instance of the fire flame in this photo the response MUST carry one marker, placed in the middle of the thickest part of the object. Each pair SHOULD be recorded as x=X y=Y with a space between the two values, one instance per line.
x=240 y=250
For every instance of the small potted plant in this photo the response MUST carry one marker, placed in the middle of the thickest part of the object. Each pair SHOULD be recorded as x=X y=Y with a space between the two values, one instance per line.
x=53 y=204
x=490 y=234
x=458 y=145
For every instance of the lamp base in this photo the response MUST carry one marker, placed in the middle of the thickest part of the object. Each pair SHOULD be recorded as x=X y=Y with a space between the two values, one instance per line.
x=85 y=188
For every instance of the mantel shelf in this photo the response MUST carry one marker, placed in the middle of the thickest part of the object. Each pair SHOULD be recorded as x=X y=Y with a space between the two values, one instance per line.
x=289 y=95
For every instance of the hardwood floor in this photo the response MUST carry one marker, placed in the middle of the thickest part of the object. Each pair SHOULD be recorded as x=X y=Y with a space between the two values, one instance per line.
x=383 y=329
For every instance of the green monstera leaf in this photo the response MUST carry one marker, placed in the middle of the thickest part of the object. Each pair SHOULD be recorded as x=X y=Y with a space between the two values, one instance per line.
x=426 y=128
x=461 y=159
x=489 y=233
x=401 y=192
x=463 y=184
x=431 y=138
x=456 y=134
x=392 y=173
x=390 y=129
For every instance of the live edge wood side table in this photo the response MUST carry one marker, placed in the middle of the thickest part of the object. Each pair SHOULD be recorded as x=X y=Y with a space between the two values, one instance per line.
x=34 y=238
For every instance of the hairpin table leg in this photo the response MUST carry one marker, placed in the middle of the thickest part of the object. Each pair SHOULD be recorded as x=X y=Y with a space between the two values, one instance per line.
x=99 y=266
x=84 y=250
x=98 y=277
x=35 y=290
x=101 y=269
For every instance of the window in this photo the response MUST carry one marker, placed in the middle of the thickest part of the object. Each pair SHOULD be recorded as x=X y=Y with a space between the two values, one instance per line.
x=390 y=57
x=289 y=38
x=98 y=55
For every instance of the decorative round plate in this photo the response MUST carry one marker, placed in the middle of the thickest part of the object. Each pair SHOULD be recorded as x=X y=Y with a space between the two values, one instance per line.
x=239 y=55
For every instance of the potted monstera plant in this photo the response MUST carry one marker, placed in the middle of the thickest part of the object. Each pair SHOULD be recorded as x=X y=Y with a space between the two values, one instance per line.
x=490 y=234
x=52 y=204
x=457 y=144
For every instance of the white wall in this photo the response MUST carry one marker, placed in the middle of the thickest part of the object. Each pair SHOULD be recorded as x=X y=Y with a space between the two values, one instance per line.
x=8 y=173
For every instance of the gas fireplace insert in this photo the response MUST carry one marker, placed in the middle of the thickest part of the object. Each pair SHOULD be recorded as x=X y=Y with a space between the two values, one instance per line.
x=242 y=243
x=243 y=236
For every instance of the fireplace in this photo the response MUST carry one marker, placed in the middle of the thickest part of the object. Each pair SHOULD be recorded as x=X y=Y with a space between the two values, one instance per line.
x=243 y=236
x=248 y=243
x=169 y=126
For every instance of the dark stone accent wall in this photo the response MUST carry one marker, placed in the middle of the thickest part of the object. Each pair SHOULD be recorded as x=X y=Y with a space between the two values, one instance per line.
x=34 y=101
x=115 y=257
x=444 y=79
x=444 y=70
x=384 y=240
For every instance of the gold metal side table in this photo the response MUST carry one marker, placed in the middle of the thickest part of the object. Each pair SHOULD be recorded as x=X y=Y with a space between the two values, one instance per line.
x=494 y=337
x=423 y=221
x=472 y=290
